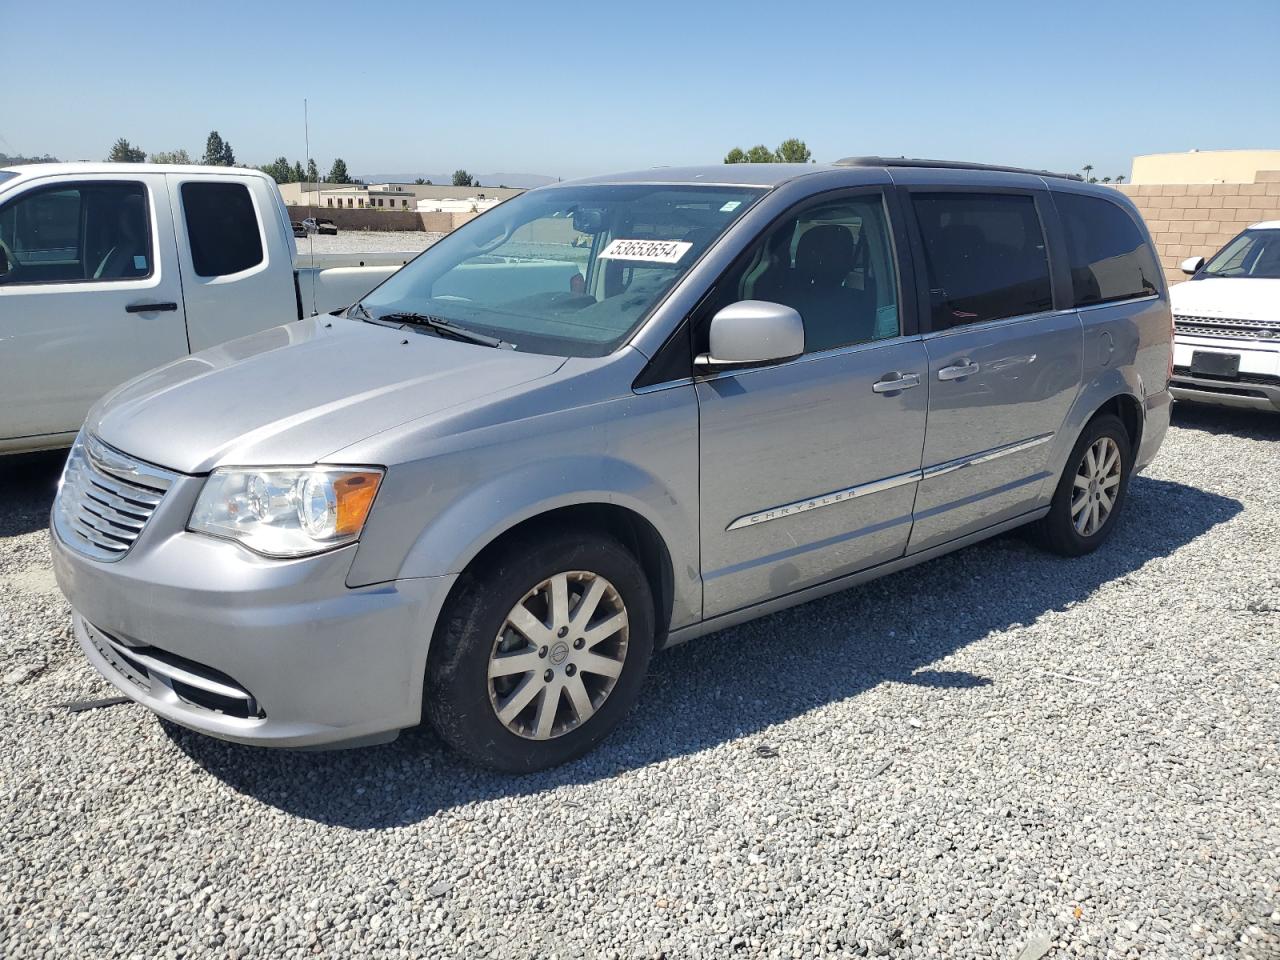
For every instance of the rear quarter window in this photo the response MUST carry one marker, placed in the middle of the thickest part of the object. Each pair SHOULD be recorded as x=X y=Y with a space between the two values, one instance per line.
x=1110 y=259
x=222 y=226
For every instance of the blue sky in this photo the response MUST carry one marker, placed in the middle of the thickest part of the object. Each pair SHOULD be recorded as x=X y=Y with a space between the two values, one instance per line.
x=568 y=89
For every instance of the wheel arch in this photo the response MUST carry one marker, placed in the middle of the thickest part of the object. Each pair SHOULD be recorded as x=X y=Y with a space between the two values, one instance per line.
x=629 y=527
x=1118 y=392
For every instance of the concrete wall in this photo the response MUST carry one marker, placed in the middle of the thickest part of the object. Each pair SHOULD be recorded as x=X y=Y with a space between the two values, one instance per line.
x=1196 y=219
x=366 y=219
x=1204 y=166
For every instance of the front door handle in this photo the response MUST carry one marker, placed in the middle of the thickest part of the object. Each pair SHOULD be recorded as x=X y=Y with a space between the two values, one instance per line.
x=895 y=382
x=965 y=368
x=150 y=307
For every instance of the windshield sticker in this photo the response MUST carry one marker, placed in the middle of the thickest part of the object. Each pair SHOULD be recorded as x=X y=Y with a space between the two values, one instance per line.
x=650 y=251
x=731 y=206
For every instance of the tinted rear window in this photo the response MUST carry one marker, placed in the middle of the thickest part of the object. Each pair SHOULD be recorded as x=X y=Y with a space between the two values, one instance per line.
x=1110 y=260
x=223 y=227
x=985 y=256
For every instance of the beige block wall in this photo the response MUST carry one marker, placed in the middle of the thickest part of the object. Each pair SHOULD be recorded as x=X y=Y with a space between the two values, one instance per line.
x=1196 y=219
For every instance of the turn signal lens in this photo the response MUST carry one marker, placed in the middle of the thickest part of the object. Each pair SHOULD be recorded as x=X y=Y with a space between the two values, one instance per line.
x=355 y=493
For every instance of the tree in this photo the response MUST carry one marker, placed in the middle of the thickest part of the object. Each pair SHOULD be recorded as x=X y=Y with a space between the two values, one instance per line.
x=461 y=178
x=1120 y=179
x=313 y=172
x=760 y=154
x=1106 y=179
x=279 y=170
x=1088 y=169
x=338 y=172
x=126 y=152
x=419 y=182
x=299 y=174
x=171 y=156
x=218 y=152
x=14 y=160
x=793 y=151
x=735 y=156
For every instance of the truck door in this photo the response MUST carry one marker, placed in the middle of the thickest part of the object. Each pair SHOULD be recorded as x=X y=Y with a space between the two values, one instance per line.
x=237 y=266
x=89 y=296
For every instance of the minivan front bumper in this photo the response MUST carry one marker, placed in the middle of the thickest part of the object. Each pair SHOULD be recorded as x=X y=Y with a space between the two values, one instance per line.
x=276 y=653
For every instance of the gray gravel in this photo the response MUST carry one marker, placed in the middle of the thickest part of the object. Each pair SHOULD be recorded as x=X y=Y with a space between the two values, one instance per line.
x=998 y=754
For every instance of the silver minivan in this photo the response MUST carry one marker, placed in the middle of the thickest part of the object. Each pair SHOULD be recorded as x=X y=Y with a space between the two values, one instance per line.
x=601 y=419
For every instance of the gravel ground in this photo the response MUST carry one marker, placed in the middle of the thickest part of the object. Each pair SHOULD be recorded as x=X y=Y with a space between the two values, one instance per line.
x=998 y=754
x=368 y=241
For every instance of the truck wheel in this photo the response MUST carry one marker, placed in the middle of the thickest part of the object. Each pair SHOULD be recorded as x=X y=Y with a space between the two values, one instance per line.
x=540 y=652
x=1091 y=491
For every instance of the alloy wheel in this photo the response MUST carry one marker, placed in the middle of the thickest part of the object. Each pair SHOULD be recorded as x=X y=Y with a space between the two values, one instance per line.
x=1096 y=486
x=558 y=655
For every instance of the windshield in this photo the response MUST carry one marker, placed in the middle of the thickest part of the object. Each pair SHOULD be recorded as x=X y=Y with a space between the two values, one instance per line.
x=6 y=175
x=1255 y=253
x=570 y=271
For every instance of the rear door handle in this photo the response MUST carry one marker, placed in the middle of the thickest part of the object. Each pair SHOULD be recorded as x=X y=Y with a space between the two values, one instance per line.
x=904 y=382
x=965 y=368
x=150 y=307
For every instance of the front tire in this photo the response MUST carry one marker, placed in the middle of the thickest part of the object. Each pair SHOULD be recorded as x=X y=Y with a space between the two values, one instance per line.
x=541 y=651
x=1092 y=490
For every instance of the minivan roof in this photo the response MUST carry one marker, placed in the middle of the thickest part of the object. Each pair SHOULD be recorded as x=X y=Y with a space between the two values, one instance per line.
x=775 y=174
x=948 y=165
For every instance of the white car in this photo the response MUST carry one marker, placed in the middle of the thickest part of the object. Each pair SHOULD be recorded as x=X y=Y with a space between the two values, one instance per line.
x=1226 y=322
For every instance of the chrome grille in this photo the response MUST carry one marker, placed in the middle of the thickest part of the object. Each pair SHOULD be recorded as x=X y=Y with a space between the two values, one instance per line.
x=1225 y=327
x=105 y=499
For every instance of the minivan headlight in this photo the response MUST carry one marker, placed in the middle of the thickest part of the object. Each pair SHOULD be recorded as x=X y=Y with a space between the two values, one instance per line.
x=286 y=511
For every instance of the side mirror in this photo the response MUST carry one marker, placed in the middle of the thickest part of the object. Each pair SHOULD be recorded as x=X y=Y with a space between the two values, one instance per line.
x=1191 y=265
x=751 y=333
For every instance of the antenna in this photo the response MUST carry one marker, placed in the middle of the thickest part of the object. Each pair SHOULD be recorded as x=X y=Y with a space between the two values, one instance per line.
x=306 y=135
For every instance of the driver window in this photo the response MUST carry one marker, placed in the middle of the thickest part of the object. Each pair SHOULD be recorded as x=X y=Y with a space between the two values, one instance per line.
x=76 y=233
x=832 y=263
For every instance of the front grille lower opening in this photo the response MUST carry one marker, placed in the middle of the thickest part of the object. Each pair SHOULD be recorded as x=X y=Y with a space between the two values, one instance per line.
x=240 y=708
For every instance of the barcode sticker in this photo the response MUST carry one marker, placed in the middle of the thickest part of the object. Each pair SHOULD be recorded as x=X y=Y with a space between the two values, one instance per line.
x=650 y=251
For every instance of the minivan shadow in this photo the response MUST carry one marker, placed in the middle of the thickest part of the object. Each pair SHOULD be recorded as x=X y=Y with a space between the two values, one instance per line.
x=28 y=484
x=745 y=679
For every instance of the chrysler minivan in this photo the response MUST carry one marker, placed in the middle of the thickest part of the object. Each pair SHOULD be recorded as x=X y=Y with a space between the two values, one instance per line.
x=603 y=418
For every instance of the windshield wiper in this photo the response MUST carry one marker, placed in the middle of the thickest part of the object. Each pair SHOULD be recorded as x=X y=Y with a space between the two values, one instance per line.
x=444 y=328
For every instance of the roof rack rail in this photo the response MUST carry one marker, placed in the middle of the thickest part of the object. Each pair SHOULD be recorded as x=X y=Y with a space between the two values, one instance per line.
x=947 y=165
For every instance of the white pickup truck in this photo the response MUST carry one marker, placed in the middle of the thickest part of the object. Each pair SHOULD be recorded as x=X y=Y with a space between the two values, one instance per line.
x=110 y=269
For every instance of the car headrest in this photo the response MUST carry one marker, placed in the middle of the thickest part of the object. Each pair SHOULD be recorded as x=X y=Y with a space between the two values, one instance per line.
x=825 y=251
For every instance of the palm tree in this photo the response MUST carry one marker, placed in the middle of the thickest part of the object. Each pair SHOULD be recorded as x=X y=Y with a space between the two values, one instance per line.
x=1088 y=169
x=1120 y=178
x=1106 y=179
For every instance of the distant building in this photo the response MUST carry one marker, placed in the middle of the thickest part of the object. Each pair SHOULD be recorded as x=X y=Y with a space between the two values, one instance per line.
x=1204 y=166
x=389 y=196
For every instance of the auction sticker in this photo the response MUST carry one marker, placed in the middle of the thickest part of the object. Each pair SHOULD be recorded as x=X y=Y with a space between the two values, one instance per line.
x=650 y=251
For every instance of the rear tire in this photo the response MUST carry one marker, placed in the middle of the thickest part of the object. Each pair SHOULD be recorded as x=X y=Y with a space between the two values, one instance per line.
x=1091 y=491
x=541 y=651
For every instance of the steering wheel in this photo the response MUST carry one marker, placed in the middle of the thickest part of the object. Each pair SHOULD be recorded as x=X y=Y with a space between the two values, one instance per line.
x=7 y=259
